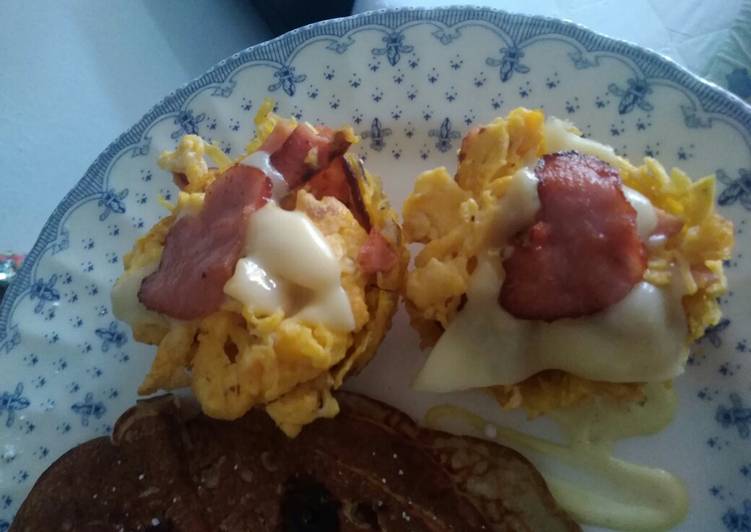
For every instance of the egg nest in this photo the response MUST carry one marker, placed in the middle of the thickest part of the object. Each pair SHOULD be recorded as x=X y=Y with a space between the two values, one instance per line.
x=234 y=359
x=452 y=216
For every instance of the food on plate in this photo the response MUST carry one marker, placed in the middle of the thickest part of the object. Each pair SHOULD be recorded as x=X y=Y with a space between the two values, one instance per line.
x=553 y=270
x=586 y=479
x=372 y=468
x=275 y=275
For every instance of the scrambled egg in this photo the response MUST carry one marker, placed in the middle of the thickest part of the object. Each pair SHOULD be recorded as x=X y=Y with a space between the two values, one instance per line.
x=234 y=359
x=452 y=218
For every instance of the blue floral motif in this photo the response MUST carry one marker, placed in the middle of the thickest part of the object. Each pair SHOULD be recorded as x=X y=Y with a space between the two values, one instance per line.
x=633 y=96
x=394 y=48
x=112 y=201
x=142 y=148
x=45 y=292
x=187 y=123
x=572 y=105
x=8 y=343
x=736 y=415
x=11 y=402
x=89 y=408
x=446 y=37
x=738 y=189
x=340 y=46
x=112 y=335
x=739 y=81
x=287 y=80
x=694 y=119
x=445 y=135
x=376 y=134
x=509 y=62
x=63 y=241
x=582 y=61
x=713 y=333
x=41 y=452
x=738 y=521
x=49 y=314
x=224 y=90
x=4 y=525
x=551 y=82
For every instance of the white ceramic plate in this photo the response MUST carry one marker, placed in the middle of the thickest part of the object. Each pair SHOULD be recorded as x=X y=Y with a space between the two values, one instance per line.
x=411 y=82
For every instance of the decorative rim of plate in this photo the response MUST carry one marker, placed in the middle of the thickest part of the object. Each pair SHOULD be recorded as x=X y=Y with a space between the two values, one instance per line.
x=710 y=98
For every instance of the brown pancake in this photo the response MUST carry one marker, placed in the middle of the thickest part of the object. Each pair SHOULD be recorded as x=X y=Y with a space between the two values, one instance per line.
x=371 y=468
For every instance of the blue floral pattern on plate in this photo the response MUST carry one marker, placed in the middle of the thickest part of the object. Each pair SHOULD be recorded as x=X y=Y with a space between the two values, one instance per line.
x=411 y=82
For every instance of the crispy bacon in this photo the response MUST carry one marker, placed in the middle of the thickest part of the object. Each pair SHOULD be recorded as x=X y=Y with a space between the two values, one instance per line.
x=376 y=254
x=667 y=225
x=703 y=276
x=583 y=254
x=338 y=180
x=305 y=151
x=180 y=179
x=281 y=132
x=201 y=250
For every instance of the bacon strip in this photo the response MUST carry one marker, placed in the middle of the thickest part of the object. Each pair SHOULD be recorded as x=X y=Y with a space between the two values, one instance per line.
x=376 y=254
x=281 y=132
x=305 y=151
x=703 y=276
x=338 y=180
x=180 y=179
x=583 y=254
x=201 y=251
x=667 y=225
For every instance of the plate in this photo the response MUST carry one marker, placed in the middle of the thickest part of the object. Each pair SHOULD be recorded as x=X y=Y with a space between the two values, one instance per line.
x=411 y=82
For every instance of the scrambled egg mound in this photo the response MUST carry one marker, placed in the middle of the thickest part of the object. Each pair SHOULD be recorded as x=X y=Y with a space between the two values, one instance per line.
x=234 y=359
x=452 y=217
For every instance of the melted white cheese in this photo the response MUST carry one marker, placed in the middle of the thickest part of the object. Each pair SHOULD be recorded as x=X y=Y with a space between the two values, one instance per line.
x=517 y=207
x=125 y=303
x=559 y=137
x=595 y=487
x=289 y=266
x=262 y=161
x=646 y=215
x=639 y=339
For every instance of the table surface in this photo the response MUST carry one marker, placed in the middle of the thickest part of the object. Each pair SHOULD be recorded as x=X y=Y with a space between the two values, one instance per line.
x=76 y=74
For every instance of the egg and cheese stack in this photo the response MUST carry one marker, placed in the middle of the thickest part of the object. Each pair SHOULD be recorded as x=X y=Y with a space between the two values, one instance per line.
x=552 y=270
x=274 y=277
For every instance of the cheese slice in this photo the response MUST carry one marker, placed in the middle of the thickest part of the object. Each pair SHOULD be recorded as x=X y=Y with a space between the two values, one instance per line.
x=639 y=339
x=289 y=266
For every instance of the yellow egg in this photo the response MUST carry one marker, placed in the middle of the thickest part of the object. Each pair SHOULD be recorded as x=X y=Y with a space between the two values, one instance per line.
x=450 y=217
x=234 y=358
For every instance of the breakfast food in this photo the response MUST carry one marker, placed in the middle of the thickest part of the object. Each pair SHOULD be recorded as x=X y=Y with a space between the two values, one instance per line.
x=274 y=277
x=553 y=270
x=371 y=468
